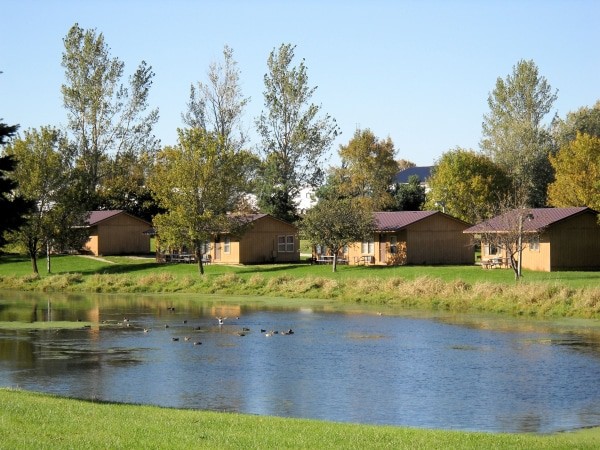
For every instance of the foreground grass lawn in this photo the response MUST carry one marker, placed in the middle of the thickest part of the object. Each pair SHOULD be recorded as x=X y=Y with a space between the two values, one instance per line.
x=31 y=420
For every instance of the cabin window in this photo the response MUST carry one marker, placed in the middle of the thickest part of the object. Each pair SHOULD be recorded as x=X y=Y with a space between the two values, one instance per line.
x=393 y=244
x=492 y=250
x=286 y=244
x=205 y=248
x=534 y=244
x=289 y=244
x=368 y=247
x=227 y=245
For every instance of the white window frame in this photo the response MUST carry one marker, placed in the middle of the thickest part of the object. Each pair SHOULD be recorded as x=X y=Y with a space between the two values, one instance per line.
x=290 y=244
x=393 y=244
x=368 y=247
x=488 y=250
x=227 y=245
x=534 y=244
x=286 y=243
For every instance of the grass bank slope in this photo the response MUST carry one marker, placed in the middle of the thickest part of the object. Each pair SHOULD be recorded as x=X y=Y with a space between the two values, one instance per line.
x=31 y=420
x=451 y=288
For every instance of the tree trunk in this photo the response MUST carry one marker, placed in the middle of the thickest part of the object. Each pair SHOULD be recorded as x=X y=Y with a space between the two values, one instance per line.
x=514 y=266
x=32 y=249
x=48 y=267
x=199 y=259
x=334 y=261
x=34 y=264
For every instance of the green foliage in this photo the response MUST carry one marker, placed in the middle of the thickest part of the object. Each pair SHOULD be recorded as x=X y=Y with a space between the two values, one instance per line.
x=514 y=135
x=127 y=188
x=13 y=207
x=105 y=118
x=577 y=167
x=468 y=184
x=7 y=132
x=336 y=223
x=197 y=183
x=43 y=174
x=585 y=121
x=294 y=137
x=409 y=196
x=217 y=106
x=367 y=170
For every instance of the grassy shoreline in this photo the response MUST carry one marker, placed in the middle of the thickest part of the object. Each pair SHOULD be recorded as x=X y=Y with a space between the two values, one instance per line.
x=458 y=289
x=33 y=420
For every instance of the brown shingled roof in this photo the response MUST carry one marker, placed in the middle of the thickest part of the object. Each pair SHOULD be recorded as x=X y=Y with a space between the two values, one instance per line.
x=541 y=218
x=99 y=216
x=397 y=220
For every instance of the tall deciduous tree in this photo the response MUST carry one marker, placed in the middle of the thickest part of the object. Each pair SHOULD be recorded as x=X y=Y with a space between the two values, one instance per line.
x=466 y=185
x=337 y=223
x=294 y=137
x=44 y=177
x=584 y=120
x=577 y=167
x=514 y=134
x=13 y=206
x=218 y=105
x=198 y=182
x=368 y=168
x=127 y=188
x=105 y=117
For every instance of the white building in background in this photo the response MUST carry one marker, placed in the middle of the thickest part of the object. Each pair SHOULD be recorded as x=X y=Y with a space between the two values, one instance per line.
x=306 y=199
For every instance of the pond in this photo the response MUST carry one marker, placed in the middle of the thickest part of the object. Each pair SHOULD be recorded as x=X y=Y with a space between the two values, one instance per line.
x=362 y=365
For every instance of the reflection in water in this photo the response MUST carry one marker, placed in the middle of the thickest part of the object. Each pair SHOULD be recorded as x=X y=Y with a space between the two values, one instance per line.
x=452 y=372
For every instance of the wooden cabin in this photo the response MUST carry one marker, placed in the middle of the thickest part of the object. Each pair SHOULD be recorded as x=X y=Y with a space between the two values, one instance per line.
x=116 y=232
x=556 y=238
x=266 y=240
x=414 y=237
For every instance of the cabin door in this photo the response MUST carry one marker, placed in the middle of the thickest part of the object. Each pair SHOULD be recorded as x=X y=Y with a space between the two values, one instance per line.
x=382 y=248
x=218 y=250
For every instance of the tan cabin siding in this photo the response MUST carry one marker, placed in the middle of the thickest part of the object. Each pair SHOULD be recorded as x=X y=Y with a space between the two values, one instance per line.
x=92 y=243
x=437 y=239
x=537 y=259
x=260 y=243
x=575 y=243
x=118 y=235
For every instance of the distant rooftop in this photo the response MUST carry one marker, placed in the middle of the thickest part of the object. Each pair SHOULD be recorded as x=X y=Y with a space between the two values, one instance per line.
x=423 y=172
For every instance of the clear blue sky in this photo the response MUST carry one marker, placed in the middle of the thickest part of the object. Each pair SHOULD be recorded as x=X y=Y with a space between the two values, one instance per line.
x=417 y=71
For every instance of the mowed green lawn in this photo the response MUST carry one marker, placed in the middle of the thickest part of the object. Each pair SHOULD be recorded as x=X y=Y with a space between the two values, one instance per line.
x=140 y=267
x=31 y=421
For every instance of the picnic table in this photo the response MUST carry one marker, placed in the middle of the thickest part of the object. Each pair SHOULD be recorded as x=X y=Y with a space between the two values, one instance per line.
x=180 y=257
x=363 y=260
x=495 y=262
x=328 y=259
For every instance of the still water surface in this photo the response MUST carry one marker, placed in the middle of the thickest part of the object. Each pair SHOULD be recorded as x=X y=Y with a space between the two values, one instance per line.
x=450 y=372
